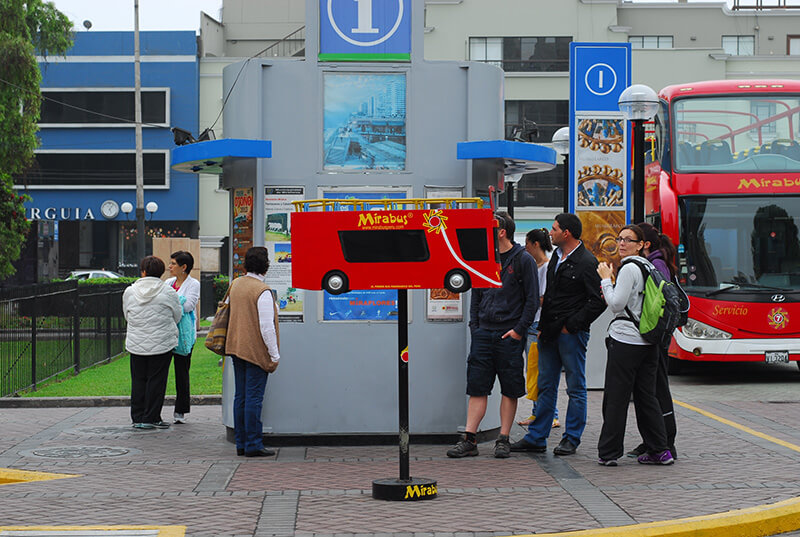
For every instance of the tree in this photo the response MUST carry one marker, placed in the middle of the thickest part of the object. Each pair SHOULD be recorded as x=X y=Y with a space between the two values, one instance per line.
x=27 y=28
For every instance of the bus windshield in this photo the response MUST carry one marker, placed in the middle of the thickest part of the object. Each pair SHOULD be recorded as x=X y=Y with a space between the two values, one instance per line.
x=749 y=242
x=737 y=134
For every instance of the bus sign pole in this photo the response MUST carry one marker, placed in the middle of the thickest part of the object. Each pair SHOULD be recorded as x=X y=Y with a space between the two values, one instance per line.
x=405 y=487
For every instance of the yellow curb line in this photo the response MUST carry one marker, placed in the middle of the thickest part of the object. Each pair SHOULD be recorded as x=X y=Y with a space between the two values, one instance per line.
x=163 y=531
x=740 y=427
x=758 y=521
x=9 y=476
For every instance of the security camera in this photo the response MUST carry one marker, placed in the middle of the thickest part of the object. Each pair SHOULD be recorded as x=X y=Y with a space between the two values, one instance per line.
x=182 y=136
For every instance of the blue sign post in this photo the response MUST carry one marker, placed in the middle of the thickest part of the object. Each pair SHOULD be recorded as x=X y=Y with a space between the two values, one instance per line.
x=599 y=154
x=365 y=30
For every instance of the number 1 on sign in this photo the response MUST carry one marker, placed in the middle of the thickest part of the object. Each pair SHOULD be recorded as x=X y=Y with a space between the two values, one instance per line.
x=364 y=18
x=600 y=78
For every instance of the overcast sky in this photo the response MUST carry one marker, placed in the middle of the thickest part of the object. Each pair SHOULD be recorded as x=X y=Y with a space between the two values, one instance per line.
x=167 y=14
x=153 y=14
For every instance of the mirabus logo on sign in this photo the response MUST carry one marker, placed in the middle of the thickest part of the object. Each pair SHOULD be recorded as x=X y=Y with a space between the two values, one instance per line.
x=365 y=30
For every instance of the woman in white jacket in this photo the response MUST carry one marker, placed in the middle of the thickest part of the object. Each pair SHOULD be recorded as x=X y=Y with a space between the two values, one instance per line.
x=180 y=265
x=152 y=311
x=632 y=361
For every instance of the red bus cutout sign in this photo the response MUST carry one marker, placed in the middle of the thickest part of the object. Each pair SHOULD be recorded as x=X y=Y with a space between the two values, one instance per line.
x=406 y=244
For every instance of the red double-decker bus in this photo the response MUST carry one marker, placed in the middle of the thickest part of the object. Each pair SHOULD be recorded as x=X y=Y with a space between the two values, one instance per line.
x=341 y=245
x=723 y=182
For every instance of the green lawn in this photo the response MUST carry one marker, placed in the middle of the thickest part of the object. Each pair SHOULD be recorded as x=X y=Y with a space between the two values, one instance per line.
x=115 y=378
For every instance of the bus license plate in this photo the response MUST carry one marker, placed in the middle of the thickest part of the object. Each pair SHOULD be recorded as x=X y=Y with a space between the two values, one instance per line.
x=777 y=357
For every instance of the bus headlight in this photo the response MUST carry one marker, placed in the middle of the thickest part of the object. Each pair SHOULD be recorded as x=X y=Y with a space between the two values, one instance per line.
x=697 y=330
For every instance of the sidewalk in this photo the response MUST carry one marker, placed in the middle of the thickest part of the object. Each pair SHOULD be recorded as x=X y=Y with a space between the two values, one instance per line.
x=189 y=475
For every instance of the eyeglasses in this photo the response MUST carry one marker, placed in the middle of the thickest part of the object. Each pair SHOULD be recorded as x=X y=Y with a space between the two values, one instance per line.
x=626 y=240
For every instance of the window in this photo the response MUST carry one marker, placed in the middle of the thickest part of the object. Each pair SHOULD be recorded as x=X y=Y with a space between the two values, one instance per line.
x=384 y=246
x=763 y=110
x=739 y=45
x=473 y=244
x=545 y=188
x=650 y=41
x=486 y=49
x=93 y=106
x=95 y=169
x=549 y=116
x=522 y=54
x=793 y=45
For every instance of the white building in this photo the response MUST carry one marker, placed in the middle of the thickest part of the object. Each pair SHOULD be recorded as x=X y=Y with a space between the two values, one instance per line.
x=529 y=39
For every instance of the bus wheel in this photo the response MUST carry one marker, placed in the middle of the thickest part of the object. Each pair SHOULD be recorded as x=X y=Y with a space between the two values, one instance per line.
x=335 y=282
x=457 y=281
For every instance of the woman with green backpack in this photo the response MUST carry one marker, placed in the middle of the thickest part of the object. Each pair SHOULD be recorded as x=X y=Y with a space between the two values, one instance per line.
x=632 y=361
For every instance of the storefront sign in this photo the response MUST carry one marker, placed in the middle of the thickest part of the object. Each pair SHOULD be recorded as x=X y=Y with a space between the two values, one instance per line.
x=60 y=213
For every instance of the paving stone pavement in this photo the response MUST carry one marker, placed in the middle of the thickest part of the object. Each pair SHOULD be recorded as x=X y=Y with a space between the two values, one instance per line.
x=190 y=475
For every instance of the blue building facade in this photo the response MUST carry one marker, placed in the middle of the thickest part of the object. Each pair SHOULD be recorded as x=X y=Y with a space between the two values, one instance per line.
x=85 y=166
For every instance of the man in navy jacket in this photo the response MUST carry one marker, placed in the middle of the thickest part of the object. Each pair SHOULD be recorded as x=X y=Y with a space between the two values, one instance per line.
x=499 y=322
x=572 y=301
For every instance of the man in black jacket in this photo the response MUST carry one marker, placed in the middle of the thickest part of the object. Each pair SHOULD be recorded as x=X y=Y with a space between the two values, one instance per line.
x=499 y=322
x=572 y=301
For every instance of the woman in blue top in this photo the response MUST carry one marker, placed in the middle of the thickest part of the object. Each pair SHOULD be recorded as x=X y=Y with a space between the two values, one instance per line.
x=632 y=361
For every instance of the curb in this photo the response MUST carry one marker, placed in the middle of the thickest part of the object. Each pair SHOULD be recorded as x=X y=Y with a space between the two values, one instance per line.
x=122 y=400
x=758 y=521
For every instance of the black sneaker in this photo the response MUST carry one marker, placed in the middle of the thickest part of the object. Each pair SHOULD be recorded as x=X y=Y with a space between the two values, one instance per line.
x=502 y=447
x=636 y=452
x=522 y=446
x=464 y=448
x=565 y=447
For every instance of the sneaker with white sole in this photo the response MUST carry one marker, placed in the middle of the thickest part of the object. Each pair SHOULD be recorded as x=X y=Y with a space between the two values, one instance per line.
x=662 y=457
x=178 y=417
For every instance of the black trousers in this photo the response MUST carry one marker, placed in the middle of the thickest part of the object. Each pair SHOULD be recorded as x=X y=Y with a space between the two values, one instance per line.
x=182 y=391
x=630 y=368
x=664 y=397
x=148 y=386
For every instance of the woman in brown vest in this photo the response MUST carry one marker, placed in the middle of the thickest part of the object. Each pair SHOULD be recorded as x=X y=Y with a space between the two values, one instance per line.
x=254 y=352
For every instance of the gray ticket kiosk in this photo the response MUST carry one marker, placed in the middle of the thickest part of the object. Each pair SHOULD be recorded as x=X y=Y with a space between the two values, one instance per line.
x=354 y=121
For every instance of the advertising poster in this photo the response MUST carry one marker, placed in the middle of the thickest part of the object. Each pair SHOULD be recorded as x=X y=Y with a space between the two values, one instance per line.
x=441 y=304
x=242 y=228
x=363 y=305
x=601 y=182
x=364 y=122
x=277 y=239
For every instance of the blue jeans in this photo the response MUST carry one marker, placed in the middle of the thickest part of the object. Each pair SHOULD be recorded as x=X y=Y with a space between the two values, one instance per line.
x=569 y=352
x=251 y=381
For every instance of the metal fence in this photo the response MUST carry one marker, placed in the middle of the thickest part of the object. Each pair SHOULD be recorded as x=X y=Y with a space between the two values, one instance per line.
x=48 y=329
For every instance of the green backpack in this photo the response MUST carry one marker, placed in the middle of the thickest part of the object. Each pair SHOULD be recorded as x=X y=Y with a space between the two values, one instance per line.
x=664 y=304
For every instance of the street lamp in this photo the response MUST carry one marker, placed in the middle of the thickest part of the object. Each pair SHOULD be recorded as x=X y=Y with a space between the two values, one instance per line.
x=511 y=180
x=561 y=145
x=638 y=103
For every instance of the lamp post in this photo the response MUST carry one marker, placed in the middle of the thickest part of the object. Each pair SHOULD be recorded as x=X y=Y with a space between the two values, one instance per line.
x=638 y=103
x=561 y=145
x=511 y=180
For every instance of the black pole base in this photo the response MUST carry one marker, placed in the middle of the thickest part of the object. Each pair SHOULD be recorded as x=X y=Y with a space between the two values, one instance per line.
x=411 y=490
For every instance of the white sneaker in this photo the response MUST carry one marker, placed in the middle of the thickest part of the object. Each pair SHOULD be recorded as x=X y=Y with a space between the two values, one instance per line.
x=178 y=417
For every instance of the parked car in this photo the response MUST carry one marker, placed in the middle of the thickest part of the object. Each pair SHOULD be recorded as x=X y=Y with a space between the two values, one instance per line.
x=92 y=273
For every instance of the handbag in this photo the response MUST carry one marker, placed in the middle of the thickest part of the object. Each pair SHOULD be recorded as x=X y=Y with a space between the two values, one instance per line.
x=218 y=332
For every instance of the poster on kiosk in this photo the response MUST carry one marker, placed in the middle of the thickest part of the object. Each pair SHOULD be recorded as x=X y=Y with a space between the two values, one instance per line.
x=599 y=172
